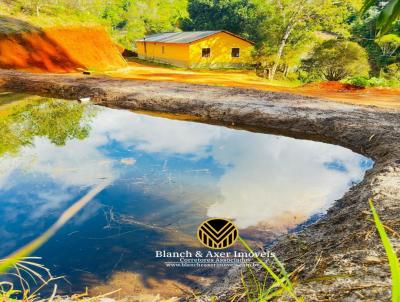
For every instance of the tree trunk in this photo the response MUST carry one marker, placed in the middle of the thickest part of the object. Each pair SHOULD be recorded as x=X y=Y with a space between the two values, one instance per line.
x=279 y=53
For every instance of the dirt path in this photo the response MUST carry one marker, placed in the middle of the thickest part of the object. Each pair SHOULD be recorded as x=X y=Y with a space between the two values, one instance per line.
x=334 y=91
x=339 y=258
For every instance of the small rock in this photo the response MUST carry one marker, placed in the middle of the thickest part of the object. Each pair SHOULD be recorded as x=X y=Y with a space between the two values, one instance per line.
x=372 y=260
x=105 y=299
x=84 y=100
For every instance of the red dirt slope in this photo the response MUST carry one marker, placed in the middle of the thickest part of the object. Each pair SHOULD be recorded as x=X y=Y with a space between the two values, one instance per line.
x=59 y=50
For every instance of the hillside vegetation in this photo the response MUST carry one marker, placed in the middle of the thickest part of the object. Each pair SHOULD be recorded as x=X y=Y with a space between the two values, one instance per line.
x=125 y=20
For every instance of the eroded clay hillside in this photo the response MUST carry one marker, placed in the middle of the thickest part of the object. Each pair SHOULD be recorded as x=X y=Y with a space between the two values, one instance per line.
x=57 y=49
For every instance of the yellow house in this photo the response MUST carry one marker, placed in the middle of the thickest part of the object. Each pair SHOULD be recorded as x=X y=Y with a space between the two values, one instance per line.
x=197 y=49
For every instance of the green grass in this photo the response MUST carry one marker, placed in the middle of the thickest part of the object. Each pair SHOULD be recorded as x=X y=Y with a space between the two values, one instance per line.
x=26 y=272
x=391 y=254
x=24 y=17
x=257 y=291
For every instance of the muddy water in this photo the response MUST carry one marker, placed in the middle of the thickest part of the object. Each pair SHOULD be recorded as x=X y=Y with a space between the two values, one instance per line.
x=165 y=177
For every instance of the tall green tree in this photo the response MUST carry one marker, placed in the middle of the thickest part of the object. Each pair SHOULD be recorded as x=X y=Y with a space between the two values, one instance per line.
x=291 y=22
x=237 y=16
x=132 y=19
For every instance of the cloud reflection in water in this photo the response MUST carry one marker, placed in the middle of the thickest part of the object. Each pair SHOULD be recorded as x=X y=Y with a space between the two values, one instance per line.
x=248 y=177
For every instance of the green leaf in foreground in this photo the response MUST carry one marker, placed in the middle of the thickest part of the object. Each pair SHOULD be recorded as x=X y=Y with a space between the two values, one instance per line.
x=391 y=254
x=389 y=14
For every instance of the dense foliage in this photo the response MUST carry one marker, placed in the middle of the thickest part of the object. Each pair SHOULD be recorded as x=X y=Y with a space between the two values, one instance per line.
x=237 y=16
x=286 y=32
x=364 y=31
x=335 y=60
x=290 y=30
x=389 y=13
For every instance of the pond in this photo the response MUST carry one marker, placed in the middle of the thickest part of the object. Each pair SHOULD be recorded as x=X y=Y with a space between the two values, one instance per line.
x=164 y=178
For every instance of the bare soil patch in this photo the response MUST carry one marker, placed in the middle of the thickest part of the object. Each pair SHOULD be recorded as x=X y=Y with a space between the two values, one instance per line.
x=59 y=49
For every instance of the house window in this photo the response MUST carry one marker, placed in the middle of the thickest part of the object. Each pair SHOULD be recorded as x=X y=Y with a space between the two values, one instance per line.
x=235 y=52
x=162 y=50
x=205 y=52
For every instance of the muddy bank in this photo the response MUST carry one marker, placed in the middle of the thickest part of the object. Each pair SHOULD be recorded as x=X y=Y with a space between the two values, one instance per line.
x=344 y=244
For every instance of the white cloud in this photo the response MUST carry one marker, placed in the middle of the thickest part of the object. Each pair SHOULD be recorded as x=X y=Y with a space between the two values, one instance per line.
x=153 y=134
x=78 y=163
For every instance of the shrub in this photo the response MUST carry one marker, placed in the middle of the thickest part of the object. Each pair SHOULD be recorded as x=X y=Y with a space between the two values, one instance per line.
x=378 y=82
x=357 y=81
x=372 y=82
x=334 y=60
x=392 y=71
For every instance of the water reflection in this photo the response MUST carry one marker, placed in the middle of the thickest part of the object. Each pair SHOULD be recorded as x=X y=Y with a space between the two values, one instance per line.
x=166 y=177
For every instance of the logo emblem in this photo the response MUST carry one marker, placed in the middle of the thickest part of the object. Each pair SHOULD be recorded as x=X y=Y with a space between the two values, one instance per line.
x=217 y=233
